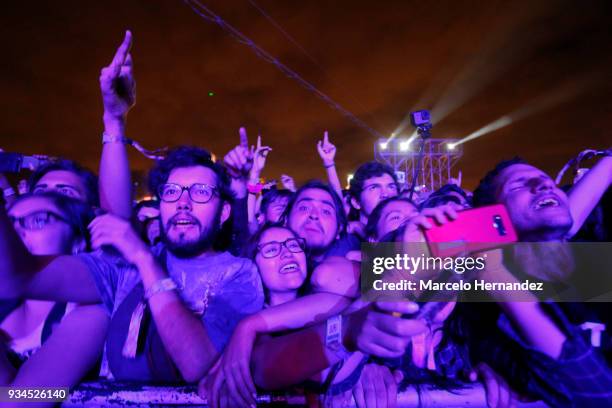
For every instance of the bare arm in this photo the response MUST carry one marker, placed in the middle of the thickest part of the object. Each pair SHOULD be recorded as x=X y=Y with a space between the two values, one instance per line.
x=298 y=313
x=532 y=323
x=182 y=333
x=115 y=182
x=118 y=96
x=337 y=275
x=290 y=359
x=334 y=282
x=584 y=196
x=286 y=360
x=70 y=352
x=535 y=327
x=259 y=162
x=327 y=151
x=334 y=180
x=251 y=205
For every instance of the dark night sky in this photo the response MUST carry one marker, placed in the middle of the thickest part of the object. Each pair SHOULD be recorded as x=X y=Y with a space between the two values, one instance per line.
x=481 y=60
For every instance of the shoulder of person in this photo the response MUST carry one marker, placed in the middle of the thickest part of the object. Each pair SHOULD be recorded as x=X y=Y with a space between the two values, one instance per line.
x=336 y=275
x=238 y=266
x=241 y=275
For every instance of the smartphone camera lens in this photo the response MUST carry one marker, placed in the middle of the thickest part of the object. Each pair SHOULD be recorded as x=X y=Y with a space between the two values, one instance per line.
x=498 y=224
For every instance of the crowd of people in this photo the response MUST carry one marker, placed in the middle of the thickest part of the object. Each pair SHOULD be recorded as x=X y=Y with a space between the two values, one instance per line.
x=243 y=287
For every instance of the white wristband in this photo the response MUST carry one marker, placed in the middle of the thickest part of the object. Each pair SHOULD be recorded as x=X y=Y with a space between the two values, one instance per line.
x=333 y=337
x=162 y=285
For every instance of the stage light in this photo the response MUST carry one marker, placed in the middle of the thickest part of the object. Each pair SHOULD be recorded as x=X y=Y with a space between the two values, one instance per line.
x=491 y=127
x=404 y=146
x=451 y=146
x=384 y=145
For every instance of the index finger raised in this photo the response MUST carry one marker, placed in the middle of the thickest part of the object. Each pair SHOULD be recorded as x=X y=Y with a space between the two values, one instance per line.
x=123 y=50
x=244 y=140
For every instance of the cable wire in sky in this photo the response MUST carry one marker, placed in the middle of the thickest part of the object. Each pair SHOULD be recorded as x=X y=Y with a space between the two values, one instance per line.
x=208 y=15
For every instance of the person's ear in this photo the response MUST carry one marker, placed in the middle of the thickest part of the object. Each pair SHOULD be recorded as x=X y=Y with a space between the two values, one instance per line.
x=226 y=211
x=355 y=203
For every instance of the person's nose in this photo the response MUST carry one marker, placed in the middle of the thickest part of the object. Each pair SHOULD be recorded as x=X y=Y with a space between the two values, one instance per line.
x=285 y=252
x=313 y=214
x=543 y=184
x=184 y=202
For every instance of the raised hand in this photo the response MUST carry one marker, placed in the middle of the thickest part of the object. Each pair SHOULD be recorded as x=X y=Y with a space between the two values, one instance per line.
x=327 y=151
x=240 y=159
x=288 y=183
x=456 y=181
x=111 y=230
x=259 y=153
x=117 y=82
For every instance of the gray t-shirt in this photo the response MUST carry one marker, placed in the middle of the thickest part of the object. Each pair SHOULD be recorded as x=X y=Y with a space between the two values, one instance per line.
x=221 y=288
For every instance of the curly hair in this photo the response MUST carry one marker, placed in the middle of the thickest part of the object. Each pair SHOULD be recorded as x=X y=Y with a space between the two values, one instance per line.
x=367 y=171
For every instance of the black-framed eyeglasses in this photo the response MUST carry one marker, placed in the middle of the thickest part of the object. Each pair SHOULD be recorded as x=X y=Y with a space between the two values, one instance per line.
x=273 y=249
x=199 y=193
x=37 y=220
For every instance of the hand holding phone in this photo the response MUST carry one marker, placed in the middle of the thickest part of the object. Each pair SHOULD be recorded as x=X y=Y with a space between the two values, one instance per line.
x=478 y=229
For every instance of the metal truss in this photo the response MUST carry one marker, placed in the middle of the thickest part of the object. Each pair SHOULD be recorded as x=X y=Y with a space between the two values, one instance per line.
x=440 y=155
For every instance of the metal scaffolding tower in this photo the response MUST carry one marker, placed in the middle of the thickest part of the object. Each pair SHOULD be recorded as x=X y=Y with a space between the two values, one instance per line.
x=439 y=156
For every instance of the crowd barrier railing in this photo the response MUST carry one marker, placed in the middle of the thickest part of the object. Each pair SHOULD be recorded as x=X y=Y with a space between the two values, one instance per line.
x=114 y=394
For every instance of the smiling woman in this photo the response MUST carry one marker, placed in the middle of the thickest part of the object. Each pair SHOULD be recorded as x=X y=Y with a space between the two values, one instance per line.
x=279 y=255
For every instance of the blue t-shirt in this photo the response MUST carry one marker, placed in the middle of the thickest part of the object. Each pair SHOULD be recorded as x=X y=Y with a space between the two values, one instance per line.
x=342 y=246
x=221 y=288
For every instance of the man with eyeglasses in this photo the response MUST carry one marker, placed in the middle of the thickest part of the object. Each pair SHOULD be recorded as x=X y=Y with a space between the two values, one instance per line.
x=194 y=292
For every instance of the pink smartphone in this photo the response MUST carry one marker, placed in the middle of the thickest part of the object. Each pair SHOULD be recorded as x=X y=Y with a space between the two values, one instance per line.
x=478 y=229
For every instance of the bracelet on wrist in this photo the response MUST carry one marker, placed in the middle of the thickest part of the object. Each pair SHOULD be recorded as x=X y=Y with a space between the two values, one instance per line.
x=162 y=285
x=253 y=188
x=327 y=166
x=106 y=138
